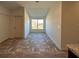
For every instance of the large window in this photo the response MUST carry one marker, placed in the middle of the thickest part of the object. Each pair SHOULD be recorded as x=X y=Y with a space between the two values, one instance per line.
x=37 y=24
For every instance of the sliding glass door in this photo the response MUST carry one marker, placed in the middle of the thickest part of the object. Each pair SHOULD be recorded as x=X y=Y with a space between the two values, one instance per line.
x=37 y=25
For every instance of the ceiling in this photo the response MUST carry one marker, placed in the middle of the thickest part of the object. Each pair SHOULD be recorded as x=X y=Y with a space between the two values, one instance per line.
x=35 y=10
x=40 y=4
x=10 y=4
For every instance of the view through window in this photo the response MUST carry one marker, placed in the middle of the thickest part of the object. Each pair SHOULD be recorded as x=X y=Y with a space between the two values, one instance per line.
x=37 y=24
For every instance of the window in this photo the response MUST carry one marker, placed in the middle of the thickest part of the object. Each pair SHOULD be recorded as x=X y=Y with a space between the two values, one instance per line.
x=40 y=24
x=37 y=24
x=34 y=24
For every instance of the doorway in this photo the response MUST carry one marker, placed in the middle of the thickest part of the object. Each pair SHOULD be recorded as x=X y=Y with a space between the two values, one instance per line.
x=37 y=25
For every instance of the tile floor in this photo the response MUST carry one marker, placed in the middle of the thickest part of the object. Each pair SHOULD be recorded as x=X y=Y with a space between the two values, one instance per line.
x=37 y=45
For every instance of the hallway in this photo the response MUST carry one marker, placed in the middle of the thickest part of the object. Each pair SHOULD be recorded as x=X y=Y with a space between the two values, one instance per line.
x=36 y=45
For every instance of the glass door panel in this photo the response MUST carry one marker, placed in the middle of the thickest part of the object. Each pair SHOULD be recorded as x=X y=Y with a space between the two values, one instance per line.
x=34 y=24
x=40 y=24
x=37 y=25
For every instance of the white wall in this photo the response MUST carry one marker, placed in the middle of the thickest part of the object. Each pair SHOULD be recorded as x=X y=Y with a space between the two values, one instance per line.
x=53 y=24
x=70 y=23
x=12 y=23
x=4 y=23
x=26 y=23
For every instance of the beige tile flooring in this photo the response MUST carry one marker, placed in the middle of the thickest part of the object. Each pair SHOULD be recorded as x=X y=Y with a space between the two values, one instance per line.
x=37 y=45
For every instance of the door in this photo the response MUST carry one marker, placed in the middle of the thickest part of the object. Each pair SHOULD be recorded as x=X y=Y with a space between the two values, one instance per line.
x=37 y=25
x=19 y=26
